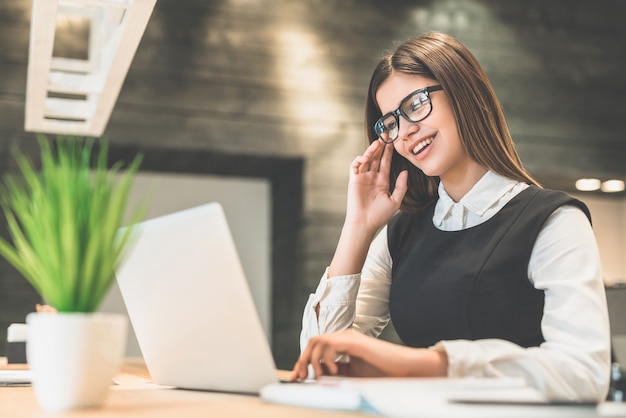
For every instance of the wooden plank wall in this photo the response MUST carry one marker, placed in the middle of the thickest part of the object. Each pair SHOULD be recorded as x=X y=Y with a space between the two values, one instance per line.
x=287 y=79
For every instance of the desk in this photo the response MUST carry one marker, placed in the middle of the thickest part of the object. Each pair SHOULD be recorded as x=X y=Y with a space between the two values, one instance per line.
x=135 y=396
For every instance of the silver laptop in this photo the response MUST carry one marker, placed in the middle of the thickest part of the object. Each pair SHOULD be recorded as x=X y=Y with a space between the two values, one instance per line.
x=190 y=305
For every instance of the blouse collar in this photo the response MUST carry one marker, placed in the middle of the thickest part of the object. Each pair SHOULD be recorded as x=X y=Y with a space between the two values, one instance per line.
x=486 y=193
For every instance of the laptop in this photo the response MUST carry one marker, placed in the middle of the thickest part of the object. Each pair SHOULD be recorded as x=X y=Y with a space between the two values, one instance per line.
x=190 y=306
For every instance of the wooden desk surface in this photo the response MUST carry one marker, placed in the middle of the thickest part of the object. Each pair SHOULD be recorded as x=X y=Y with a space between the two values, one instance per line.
x=135 y=396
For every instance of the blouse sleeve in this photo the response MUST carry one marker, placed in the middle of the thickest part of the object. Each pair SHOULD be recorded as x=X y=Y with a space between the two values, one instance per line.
x=573 y=363
x=358 y=300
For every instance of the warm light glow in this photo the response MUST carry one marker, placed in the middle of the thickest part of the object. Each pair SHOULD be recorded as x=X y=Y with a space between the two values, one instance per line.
x=588 y=185
x=613 y=186
x=306 y=75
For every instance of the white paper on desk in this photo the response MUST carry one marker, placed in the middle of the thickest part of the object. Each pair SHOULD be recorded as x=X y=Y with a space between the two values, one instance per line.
x=436 y=397
x=335 y=395
x=15 y=377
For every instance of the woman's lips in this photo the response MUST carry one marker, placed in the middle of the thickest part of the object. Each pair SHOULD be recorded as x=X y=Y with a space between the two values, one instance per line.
x=422 y=145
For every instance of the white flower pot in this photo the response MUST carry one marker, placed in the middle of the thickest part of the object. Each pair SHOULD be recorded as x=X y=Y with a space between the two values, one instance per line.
x=74 y=357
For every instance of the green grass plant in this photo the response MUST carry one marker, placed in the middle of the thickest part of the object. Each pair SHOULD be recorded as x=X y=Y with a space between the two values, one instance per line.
x=63 y=220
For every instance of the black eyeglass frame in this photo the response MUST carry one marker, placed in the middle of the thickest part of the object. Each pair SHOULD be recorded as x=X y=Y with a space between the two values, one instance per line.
x=378 y=126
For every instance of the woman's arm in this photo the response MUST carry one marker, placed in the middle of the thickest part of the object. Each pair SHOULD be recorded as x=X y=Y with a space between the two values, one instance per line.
x=369 y=206
x=368 y=357
x=359 y=300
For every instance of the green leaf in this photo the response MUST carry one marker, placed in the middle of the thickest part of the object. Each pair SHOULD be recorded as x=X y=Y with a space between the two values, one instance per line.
x=64 y=221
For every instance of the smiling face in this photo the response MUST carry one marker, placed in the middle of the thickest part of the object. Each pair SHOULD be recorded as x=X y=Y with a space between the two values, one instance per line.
x=434 y=144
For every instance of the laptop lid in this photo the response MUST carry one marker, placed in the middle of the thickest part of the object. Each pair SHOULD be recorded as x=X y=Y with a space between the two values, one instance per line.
x=190 y=306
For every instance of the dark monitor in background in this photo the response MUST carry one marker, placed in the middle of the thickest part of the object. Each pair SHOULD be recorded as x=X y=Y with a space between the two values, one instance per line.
x=616 y=299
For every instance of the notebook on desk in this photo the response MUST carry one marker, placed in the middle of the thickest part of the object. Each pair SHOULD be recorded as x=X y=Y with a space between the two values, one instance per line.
x=190 y=306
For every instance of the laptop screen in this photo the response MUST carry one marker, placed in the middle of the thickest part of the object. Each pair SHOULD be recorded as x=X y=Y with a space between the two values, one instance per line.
x=190 y=305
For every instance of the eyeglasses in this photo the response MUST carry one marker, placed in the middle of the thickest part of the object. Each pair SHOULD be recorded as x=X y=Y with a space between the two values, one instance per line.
x=414 y=108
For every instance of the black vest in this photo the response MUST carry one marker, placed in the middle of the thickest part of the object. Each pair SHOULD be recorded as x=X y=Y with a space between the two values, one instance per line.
x=470 y=284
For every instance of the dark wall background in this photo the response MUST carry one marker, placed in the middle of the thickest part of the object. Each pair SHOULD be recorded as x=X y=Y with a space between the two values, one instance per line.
x=285 y=80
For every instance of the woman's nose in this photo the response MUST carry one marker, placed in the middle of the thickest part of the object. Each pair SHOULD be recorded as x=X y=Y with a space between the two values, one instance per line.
x=406 y=128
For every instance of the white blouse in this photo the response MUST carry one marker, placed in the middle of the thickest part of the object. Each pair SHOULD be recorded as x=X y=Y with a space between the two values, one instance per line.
x=574 y=361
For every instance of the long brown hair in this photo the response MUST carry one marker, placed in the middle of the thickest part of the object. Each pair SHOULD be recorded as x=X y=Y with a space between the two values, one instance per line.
x=482 y=127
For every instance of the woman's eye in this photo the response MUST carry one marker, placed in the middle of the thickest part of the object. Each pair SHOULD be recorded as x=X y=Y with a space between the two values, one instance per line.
x=416 y=105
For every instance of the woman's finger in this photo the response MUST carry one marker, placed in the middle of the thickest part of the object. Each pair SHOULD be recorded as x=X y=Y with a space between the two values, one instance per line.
x=315 y=359
x=375 y=164
x=383 y=162
x=400 y=187
x=329 y=361
x=385 y=159
x=370 y=160
x=373 y=149
x=359 y=165
x=296 y=373
x=301 y=368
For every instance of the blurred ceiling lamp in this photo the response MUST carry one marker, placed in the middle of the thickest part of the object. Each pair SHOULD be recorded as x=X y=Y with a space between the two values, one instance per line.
x=588 y=185
x=67 y=95
x=612 y=186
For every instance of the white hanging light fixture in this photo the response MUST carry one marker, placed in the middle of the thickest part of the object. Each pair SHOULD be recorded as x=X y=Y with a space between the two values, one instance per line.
x=588 y=184
x=613 y=186
x=74 y=95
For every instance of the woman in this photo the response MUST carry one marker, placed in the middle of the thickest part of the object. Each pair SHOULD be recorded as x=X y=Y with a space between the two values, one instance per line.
x=482 y=271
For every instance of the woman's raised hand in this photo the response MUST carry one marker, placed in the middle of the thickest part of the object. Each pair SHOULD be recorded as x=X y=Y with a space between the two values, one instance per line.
x=369 y=201
x=369 y=207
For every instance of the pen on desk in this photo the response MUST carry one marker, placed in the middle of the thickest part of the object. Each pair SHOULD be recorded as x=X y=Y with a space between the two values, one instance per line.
x=12 y=384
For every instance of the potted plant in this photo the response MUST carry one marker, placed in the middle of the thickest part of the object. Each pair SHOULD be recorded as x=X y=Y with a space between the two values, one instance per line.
x=63 y=221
